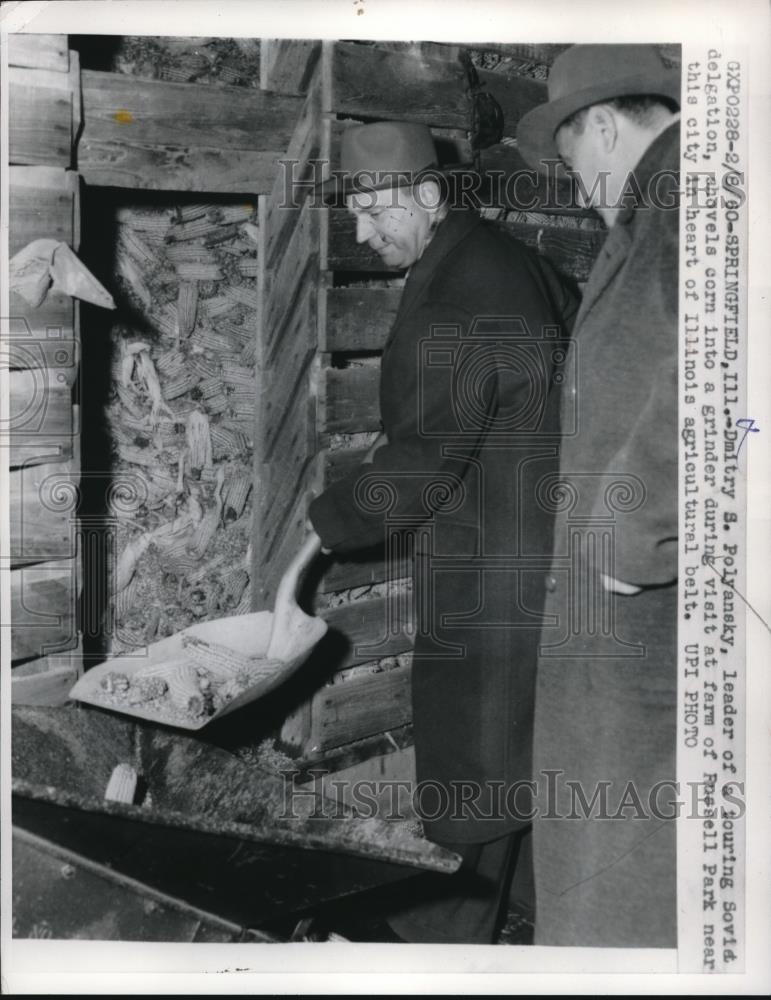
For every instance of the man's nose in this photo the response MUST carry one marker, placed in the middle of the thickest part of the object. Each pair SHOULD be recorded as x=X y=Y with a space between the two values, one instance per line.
x=364 y=228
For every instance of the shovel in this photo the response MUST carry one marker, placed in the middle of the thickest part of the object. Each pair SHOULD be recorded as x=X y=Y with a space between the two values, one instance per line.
x=206 y=671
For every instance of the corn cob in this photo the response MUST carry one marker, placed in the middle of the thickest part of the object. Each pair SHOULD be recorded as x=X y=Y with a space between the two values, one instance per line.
x=234 y=584
x=237 y=213
x=210 y=340
x=122 y=785
x=223 y=234
x=249 y=267
x=197 y=253
x=204 y=533
x=198 y=439
x=235 y=331
x=237 y=375
x=170 y=363
x=228 y=441
x=180 y=384
x=220 y=305
x=167 y=322
x=186 y=213
x=193 y=271
x=136 y=247
x=187 y=307
x=223 y=662
x=201 y=227
x=248 y=355
x=128 y=270
x=147 y=221
x=236 y=492
x=248 y=296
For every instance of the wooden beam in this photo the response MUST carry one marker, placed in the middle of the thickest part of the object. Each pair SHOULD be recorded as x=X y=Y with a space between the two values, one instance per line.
x=43 y=608
x=516 y=95
x=40 y=117
x=40 y=417
x=362 y=571
x=371 y=633
x=42 y=202
x=360 y=319
x=182 y=136
x=43 y=499
x=38 y=51
x=287 y=64
x=371 y=82
x=352 y=402
x=572 y=251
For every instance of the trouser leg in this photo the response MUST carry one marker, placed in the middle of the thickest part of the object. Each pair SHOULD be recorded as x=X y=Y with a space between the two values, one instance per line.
x=465 y=907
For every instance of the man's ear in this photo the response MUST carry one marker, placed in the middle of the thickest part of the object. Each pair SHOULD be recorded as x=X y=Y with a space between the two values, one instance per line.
x=603 y=121
x=429 y=195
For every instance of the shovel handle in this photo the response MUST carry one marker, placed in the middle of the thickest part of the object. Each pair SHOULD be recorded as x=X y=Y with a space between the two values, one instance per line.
x=287 y=588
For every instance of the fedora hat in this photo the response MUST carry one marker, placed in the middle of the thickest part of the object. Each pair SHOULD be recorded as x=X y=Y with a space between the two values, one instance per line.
x=589 y=74
x=381 y=155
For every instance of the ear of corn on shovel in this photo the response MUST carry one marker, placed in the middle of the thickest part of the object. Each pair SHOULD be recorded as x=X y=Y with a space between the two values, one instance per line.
x=208 y=670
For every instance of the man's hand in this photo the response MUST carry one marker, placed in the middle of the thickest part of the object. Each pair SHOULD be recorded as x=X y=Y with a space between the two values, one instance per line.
x=312 y=531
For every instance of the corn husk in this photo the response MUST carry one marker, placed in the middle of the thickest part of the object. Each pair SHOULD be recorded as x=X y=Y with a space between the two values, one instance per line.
x=252 y=231
x=187 y=307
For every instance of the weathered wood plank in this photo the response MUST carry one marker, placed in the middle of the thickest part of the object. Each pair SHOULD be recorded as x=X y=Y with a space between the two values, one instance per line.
x=572 y=251
x=182 y=136
x=41 y=205
x=50 y=687
x=279 y=552
x=43 y=608
x=340 y=462
x=374 y=628
x=516 y=96
x=39 y=117
x=338 y=758
x=40 y=420
x=513 y=183
x=287 y=64
x=38 y=51
x=43 y=337
x=360 y=319
x=359 y=707
x=285 y=282
x=361 y=571
x=376 y=83
x=352 y=402
x=42 y=505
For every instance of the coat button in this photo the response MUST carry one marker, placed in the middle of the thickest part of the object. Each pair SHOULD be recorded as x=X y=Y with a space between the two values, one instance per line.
x=551 y=583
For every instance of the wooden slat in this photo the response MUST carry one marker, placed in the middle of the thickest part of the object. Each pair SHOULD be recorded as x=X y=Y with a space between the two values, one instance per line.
x=352 y=402
x=43 y=608
x=516 y=96
x=285 y=282
x=39 y=117
x=286 y=64
x=361 y=571
x=40 y=420
x=50 y=687
x=345 y=254
x=41 y=205
x=42 y=506
x=572 y=251
x=370 y=634
x=338 y=758
x=182 y=136
x=38 y=51
x=359 y=707
x=376 y=83
x=517 y=186
x=360 y=319
x=277 y=558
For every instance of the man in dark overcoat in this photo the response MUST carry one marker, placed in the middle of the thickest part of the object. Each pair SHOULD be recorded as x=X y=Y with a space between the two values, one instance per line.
x=468 y=399
x=605 y=730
